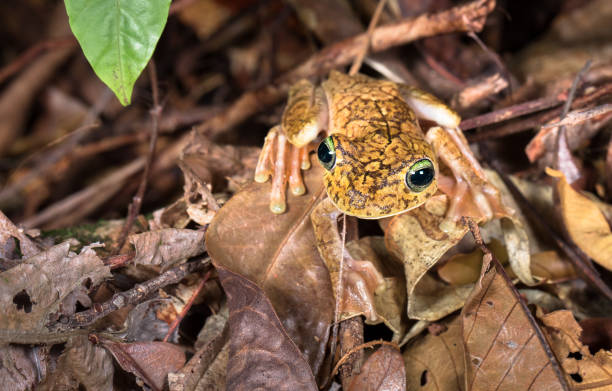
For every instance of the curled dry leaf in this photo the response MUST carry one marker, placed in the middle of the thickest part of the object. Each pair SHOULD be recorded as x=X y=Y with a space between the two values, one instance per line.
x=9 y=232
x=150 y=361
x=167 y=247
x=278 y=253
x=17 y=371
x=91 y=365
x=415 y=237
x=262 y=355
x=383 y=371
x=505 y=349
x=34 y=289
x=582 y=369
x=435 y=362
x=388 y=299
x=584 y=222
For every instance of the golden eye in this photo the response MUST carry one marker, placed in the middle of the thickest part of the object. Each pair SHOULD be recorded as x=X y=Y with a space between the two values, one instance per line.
x=327 y=153
x=420 y=175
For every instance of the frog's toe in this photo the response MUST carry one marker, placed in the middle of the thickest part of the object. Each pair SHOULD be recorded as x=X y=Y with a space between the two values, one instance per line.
x=296 y=183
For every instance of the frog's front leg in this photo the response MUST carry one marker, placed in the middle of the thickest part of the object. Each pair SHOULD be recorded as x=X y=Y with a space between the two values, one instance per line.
x=285 y=151
x=360 y=279
x=470 y=193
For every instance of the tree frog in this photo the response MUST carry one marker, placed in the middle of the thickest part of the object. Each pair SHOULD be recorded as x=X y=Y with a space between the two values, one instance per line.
x=378 y=162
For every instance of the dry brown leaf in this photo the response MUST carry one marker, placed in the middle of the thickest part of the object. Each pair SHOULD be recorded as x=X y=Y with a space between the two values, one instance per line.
x=435 y=362
x=150 y=361
x=33 y=290
x=388 y=298
x=383 y=371
x=167 y=247
x=262 y=355
x=8 y=231
x=583 y=370
x=416 y=239
x=505 y=350
x=17 y=370
x=90 y=364
x=278 y=253
x=584 y=222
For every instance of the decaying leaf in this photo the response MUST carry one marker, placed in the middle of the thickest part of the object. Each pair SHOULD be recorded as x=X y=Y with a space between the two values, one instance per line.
x=583 y=370
x=278 y=253
x=584 y=222
x=383 y=371
x=435 y=362
x=150 y=361
x=262 y=355
x=504 y=346
x=33 y=290
x=167 y=247
x=8 y=231
x=415 y=237
x=17 y=370
x=82 y=365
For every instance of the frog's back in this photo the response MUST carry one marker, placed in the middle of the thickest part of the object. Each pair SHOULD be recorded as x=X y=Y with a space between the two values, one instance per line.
x=359 y=105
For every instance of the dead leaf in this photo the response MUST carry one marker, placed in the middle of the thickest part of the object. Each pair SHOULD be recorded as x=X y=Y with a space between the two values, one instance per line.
x=278 y=253
x=150 y=361
x=33 y=290
x=504 y=348
x=90 y=364
x=583 y=370
x=17 y=370
x=415 y=237
x=435 y=361
x=262 y=355
x=584 y=222
x=8 y=231
x=383 y=371
x=167 y=247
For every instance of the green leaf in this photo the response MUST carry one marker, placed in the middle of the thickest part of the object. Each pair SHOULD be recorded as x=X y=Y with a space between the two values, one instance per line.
x=118 y=37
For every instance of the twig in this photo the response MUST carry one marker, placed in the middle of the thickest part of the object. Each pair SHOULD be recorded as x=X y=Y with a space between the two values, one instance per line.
x=187 y=307
x=136 y=294
x=134 y=208
x=366 y=345
x=359 y=59
x=26 y=57
x=538 y=119
x=467 y=17
x=495 y=57
x=578 y=116
x=351 y=335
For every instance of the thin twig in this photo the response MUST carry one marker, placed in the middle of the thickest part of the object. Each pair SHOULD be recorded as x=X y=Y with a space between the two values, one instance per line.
x=467 y=17
x=359 y=59
x=29 y=55
x=187 y=307
x=137 y=294
x=495 y=57
x=134 y=208
x=579 y=116
x=367 y=345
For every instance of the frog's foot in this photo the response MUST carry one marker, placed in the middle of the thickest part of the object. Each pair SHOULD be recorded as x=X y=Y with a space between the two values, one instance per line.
x=273 y=162
x=469 y=191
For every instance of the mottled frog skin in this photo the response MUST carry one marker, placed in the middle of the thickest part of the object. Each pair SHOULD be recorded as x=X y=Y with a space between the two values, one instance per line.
x=376 y=140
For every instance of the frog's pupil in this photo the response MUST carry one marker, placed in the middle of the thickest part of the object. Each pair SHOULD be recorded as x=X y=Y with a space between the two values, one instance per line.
x=422 y=177
x=325 y=154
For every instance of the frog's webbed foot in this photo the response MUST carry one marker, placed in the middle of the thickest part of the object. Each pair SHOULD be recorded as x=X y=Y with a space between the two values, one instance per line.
x=469 y=191
x=283 y=161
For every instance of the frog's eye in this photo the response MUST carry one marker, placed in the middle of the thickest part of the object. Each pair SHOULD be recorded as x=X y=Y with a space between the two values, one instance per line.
x=327 y=153
x=420 y=175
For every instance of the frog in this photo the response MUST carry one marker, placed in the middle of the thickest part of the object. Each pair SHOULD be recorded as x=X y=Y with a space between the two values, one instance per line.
x=378 y=161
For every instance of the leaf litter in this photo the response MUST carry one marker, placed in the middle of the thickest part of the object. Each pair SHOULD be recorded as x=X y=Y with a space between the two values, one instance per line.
x=255 y=301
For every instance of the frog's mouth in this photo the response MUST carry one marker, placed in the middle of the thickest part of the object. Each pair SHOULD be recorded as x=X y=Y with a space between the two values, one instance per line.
x=354 y=203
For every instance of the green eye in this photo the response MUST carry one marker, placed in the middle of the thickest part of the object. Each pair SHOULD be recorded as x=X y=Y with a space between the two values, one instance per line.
x=327 y=153
x=420 y=175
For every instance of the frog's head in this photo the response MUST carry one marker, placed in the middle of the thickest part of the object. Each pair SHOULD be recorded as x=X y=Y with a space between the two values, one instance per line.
x=378 y=176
